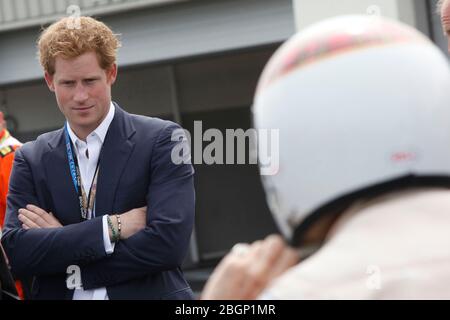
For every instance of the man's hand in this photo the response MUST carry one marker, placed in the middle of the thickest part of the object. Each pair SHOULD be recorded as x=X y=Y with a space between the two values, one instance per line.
x=132 y=221
x=34 y=217
x=248 y=269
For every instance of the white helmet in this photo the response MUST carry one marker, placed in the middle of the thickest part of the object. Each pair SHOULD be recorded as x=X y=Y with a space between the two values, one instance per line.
x=362 y=105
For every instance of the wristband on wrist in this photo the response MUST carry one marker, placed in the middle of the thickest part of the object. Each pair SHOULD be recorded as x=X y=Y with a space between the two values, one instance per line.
x=119 y=226
x=113 y=230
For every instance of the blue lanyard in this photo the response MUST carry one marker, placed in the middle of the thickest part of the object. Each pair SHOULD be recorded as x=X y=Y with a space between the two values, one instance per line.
x=85 y=203
x=72 y=166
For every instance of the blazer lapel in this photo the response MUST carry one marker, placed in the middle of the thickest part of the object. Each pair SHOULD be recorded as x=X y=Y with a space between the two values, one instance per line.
x=116 y=151
x=60 y=181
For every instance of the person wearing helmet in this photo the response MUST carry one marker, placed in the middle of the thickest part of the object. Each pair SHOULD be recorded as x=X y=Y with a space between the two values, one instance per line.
x=362 y=191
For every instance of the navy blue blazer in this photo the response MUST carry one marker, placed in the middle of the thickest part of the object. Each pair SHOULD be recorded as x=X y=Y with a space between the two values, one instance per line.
x=135 y=171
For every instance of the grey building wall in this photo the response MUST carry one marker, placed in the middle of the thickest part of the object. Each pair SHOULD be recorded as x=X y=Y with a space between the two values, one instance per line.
x=15 y=14
x=166 y=33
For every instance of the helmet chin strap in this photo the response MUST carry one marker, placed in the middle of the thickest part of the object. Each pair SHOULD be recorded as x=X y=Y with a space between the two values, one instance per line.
x=312 y=232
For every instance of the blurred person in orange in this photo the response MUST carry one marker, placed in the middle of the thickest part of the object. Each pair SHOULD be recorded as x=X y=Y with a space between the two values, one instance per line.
x=8 y=146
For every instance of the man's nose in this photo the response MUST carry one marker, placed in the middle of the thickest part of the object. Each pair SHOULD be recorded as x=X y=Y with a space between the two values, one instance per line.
x=81 y=94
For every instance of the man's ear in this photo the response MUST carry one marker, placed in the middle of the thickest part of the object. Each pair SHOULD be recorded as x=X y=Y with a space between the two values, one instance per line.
x=111 y=74
x=49 y=80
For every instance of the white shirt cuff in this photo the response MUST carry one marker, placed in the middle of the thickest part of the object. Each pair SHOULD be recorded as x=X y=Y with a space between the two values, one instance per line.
x=109 y=246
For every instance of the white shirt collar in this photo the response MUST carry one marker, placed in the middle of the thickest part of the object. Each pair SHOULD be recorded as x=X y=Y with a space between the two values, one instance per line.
x=100 y=131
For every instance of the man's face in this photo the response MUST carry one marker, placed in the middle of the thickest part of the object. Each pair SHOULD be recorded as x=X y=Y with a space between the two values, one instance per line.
x=83 y=91
x=445 y=21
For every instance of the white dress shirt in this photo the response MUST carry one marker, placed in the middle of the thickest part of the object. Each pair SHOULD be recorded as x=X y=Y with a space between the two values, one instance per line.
x=87 y=154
